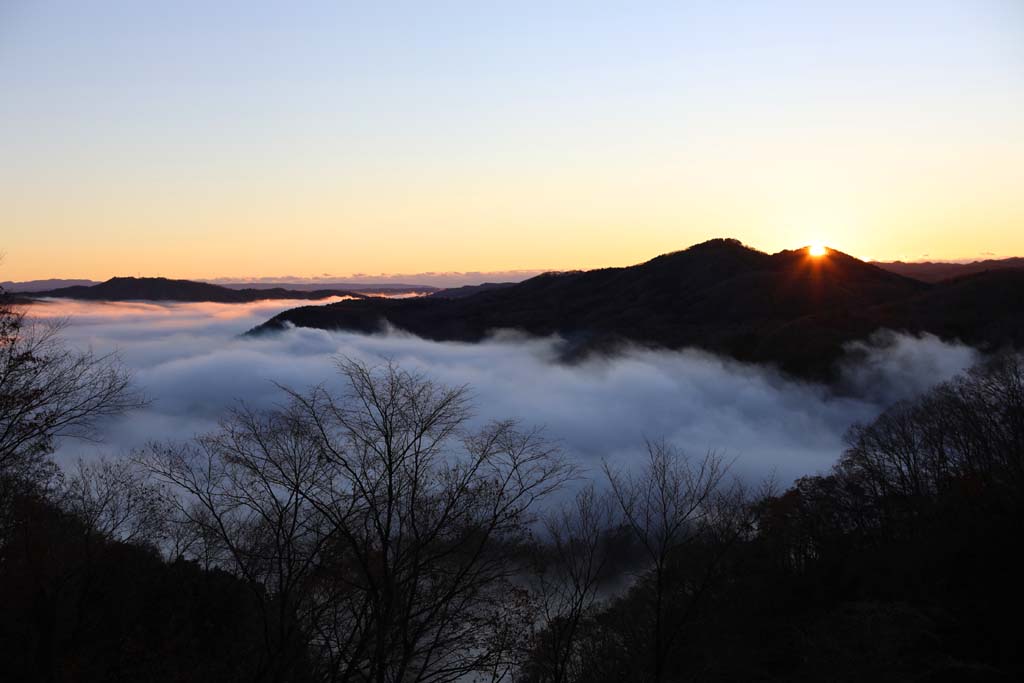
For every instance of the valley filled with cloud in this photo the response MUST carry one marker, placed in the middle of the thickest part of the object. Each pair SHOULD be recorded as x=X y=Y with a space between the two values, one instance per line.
x=193 y=364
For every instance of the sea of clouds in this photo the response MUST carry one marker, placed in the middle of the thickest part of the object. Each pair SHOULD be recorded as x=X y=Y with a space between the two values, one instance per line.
x=192 y=363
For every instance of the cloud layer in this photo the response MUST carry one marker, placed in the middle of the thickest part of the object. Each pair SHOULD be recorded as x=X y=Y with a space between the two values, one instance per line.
x=189 y=359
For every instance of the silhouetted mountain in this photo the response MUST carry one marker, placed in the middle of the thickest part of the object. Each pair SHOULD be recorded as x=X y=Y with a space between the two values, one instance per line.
x=787 y=308
x=361 y=287
x=469 y=290
x=29 y=286
x=163 y=289
x=937 y=272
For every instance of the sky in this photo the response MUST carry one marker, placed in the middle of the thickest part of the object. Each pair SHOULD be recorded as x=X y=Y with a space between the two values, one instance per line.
x=238 y=139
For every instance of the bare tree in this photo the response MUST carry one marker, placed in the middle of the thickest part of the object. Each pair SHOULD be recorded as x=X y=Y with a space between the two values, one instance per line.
x=968 y=430
x=572 y=565
x=374 y=519
x=246 y=509
x=48 y=391
x=118 y=501
x=670 y=504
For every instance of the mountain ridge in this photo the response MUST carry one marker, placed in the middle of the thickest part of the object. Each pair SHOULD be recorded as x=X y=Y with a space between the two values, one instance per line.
x=938 y=271
x=789 y=308
x=167 y=289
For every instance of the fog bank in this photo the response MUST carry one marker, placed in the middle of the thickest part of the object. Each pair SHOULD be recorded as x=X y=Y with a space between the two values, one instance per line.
x=189 y=360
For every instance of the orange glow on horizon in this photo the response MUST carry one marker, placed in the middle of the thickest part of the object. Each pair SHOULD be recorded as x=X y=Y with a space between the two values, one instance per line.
x=425 y=138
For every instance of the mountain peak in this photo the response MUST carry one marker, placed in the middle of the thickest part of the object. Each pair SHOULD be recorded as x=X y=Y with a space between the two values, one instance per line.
x=730 y=243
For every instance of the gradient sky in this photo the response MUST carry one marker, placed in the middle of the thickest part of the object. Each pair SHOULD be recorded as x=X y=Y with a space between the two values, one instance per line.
x=205 y=139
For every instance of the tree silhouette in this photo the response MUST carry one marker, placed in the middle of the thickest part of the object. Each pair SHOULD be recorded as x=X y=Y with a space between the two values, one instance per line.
x=377 y=520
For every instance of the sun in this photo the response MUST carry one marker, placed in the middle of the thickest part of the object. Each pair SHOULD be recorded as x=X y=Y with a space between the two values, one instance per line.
x=817 y=250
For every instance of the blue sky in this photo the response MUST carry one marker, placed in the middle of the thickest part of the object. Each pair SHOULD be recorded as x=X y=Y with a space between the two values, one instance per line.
x=228 y=138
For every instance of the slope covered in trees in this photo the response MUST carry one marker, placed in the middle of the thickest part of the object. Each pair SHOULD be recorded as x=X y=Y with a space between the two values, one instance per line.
x=897 y=565
x=788 y=308
x=377 y=534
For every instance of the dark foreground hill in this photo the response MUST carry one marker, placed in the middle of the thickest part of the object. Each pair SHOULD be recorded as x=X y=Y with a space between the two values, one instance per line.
x=163 y=289
x=788 y=308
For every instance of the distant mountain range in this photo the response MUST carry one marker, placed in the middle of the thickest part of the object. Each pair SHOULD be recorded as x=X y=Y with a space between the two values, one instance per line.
x=928 y=271
x=42 y=286
x=787 y=308
x=164 y=289
x=361 y=287
x=925 y=271
x=470 y=290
